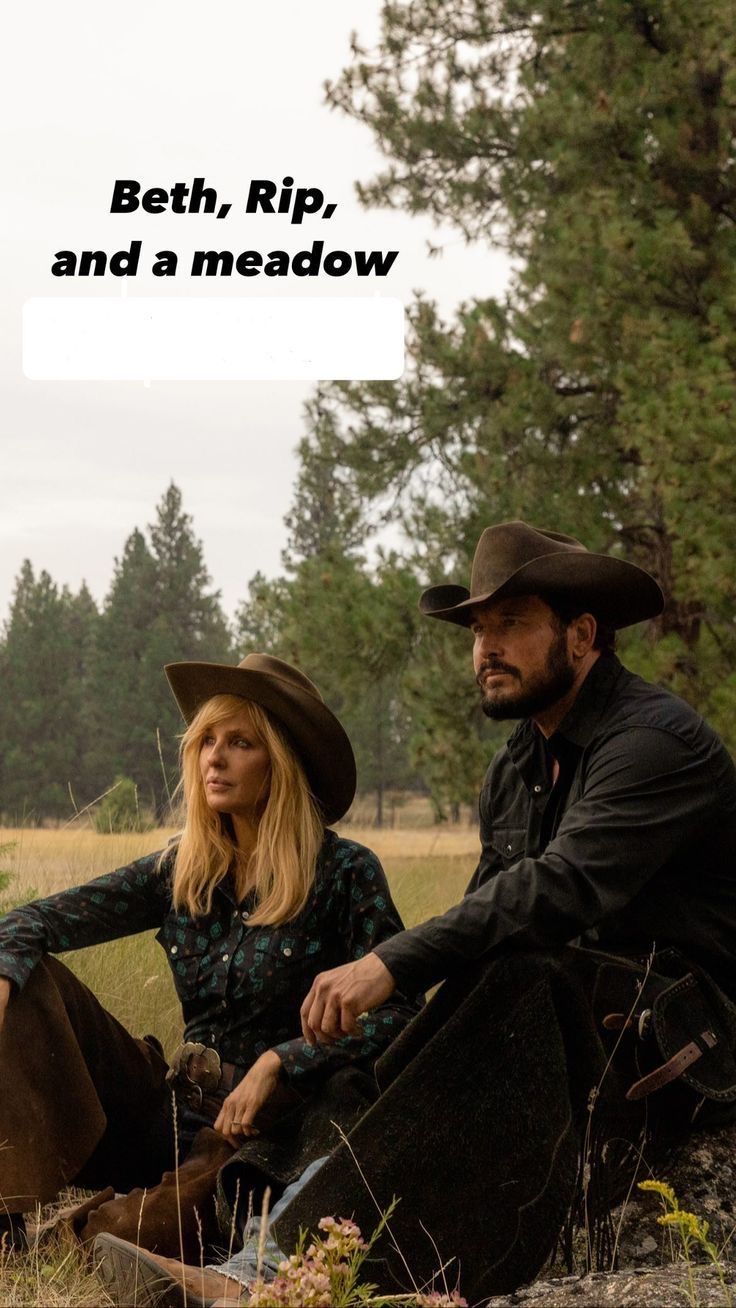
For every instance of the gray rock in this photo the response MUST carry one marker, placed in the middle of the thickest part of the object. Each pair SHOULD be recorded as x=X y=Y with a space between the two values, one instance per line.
x=662 y=1287
x=703 y=1178
x=650 y=1269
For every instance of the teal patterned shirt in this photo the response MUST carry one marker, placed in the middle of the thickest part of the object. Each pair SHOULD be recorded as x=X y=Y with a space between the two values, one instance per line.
x=240 y=987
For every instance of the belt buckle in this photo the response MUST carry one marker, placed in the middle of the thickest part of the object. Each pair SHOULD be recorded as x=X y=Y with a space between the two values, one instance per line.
x=195 y=1069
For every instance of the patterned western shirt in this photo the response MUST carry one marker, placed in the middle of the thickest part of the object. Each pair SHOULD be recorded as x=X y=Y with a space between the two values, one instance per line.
x=240 y=987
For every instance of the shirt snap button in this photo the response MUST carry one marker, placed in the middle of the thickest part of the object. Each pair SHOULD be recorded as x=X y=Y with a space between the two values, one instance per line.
x=287 y=951
x=537 y=790
x=174 y=949
x=245 y=916
x=225 y=957
x=509 y=849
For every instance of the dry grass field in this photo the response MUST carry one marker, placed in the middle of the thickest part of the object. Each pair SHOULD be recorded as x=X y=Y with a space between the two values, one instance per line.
x=427 y=867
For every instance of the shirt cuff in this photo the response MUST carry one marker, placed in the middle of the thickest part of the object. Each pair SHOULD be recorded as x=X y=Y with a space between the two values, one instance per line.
x=15 y=969
x=410 y=969
x=298 y=1059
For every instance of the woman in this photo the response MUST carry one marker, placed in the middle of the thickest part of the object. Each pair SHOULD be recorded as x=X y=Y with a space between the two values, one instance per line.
x=252 y=900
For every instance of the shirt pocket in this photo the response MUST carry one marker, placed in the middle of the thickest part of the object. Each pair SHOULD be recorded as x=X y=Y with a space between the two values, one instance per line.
x=509 y=843
x=292 y=962
x=185 y=961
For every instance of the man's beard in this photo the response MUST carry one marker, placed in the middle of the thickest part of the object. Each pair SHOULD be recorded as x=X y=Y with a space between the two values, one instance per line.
x=539 y=692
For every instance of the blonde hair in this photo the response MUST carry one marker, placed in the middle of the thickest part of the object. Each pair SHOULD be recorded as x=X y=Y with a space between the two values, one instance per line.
x=290 y=830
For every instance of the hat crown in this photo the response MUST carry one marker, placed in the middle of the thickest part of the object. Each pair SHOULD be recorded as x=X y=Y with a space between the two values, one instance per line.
x=273 y=667
x=314 y=733
x=513 y=558
x=505 y=548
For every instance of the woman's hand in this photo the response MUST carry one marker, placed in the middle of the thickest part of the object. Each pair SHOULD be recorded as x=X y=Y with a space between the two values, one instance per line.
x=243 y=1104
x=6 y=991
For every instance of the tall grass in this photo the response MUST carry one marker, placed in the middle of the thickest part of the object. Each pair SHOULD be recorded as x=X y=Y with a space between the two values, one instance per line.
x=54 y=1274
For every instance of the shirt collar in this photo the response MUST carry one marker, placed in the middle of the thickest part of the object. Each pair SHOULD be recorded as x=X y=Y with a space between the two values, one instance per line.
x=579 y=724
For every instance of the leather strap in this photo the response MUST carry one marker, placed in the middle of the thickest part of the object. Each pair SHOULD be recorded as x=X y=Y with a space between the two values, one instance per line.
x=230 y=1075
x=673 y=1068
x=617 y=1022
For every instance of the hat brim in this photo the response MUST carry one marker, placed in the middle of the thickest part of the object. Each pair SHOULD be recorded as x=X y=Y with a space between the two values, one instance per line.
x=316 y=735
x=618 y=593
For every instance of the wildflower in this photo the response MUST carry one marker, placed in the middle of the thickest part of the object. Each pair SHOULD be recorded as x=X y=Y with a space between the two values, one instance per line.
x=320 y=1275
x=342 y=1235
x=437 y=1299
x=687 y=1223
x=664 y=1191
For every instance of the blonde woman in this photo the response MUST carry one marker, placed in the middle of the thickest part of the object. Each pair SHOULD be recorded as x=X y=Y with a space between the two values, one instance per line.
x=252 y=900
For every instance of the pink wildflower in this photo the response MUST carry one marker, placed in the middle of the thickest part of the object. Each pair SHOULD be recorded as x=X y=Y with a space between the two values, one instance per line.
x=440 y=1299
x=314 y=1277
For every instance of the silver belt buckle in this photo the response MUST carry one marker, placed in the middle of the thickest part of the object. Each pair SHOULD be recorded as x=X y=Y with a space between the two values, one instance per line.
x=196 y=1069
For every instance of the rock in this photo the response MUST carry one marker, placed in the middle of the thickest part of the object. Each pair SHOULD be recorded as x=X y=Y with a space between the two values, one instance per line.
x=661 y=1287
x=703 y=1178
x=650 y=1267
x=648 y=1245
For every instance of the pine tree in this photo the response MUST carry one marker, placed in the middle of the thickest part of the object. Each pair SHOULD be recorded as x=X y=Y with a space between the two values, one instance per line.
x=125 y=672
x=350 y=628
x=325 y=519
x=160 y=609
x=596 y=142
x=346 y=624
x=45 y=663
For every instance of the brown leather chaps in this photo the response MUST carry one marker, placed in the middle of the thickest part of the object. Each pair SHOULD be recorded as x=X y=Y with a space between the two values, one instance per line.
x=81 y=1101
x=84 y=1103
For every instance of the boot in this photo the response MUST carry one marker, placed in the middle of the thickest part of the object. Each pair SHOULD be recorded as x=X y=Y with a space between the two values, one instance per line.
x=177 y=1217
x=132 y=1275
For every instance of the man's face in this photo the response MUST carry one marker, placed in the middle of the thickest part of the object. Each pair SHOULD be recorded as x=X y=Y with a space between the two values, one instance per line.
x=521 y=657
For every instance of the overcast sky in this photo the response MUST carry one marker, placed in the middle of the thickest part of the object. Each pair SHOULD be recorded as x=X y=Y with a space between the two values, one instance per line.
x=163 y=91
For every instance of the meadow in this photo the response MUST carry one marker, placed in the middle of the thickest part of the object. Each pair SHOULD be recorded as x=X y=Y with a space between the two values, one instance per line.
x=427 y=867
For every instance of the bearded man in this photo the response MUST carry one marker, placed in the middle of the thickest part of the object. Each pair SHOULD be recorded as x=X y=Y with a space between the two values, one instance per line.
x=608 y=818
x=607 y=822
x=585 y=1021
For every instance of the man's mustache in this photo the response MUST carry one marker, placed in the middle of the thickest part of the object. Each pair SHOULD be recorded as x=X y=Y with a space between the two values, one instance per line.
x=493 y=665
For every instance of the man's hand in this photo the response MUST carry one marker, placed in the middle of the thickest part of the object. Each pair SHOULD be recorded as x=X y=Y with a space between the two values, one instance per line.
x=332 y=1007
x=238 y=1112
x=6 y=991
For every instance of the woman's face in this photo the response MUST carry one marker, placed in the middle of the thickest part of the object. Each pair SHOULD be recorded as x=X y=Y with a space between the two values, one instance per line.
x=234 y=767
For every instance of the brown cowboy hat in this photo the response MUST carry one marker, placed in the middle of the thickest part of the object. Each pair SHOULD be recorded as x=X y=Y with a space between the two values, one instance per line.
x=314 y=732
x=514 y=558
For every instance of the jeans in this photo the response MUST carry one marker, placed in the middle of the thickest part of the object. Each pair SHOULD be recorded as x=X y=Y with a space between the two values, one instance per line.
x=243 y=1266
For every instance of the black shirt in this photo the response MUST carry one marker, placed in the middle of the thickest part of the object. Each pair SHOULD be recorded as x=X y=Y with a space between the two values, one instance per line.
x=633 y=847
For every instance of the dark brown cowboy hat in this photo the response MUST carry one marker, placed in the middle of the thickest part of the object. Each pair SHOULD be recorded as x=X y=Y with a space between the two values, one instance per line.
x=314 y=732
x=516 y=559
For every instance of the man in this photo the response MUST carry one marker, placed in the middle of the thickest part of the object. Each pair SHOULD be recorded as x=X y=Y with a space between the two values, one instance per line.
x=609 y=816
x=608 y=821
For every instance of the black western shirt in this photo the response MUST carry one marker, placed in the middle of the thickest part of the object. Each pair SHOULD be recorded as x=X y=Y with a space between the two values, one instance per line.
x=634 y=846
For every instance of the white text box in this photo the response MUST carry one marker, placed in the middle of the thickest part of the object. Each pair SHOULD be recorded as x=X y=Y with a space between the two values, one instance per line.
x=88 y=338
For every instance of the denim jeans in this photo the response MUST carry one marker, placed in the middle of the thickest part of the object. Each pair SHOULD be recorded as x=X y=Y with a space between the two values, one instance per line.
x=243 y=1265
